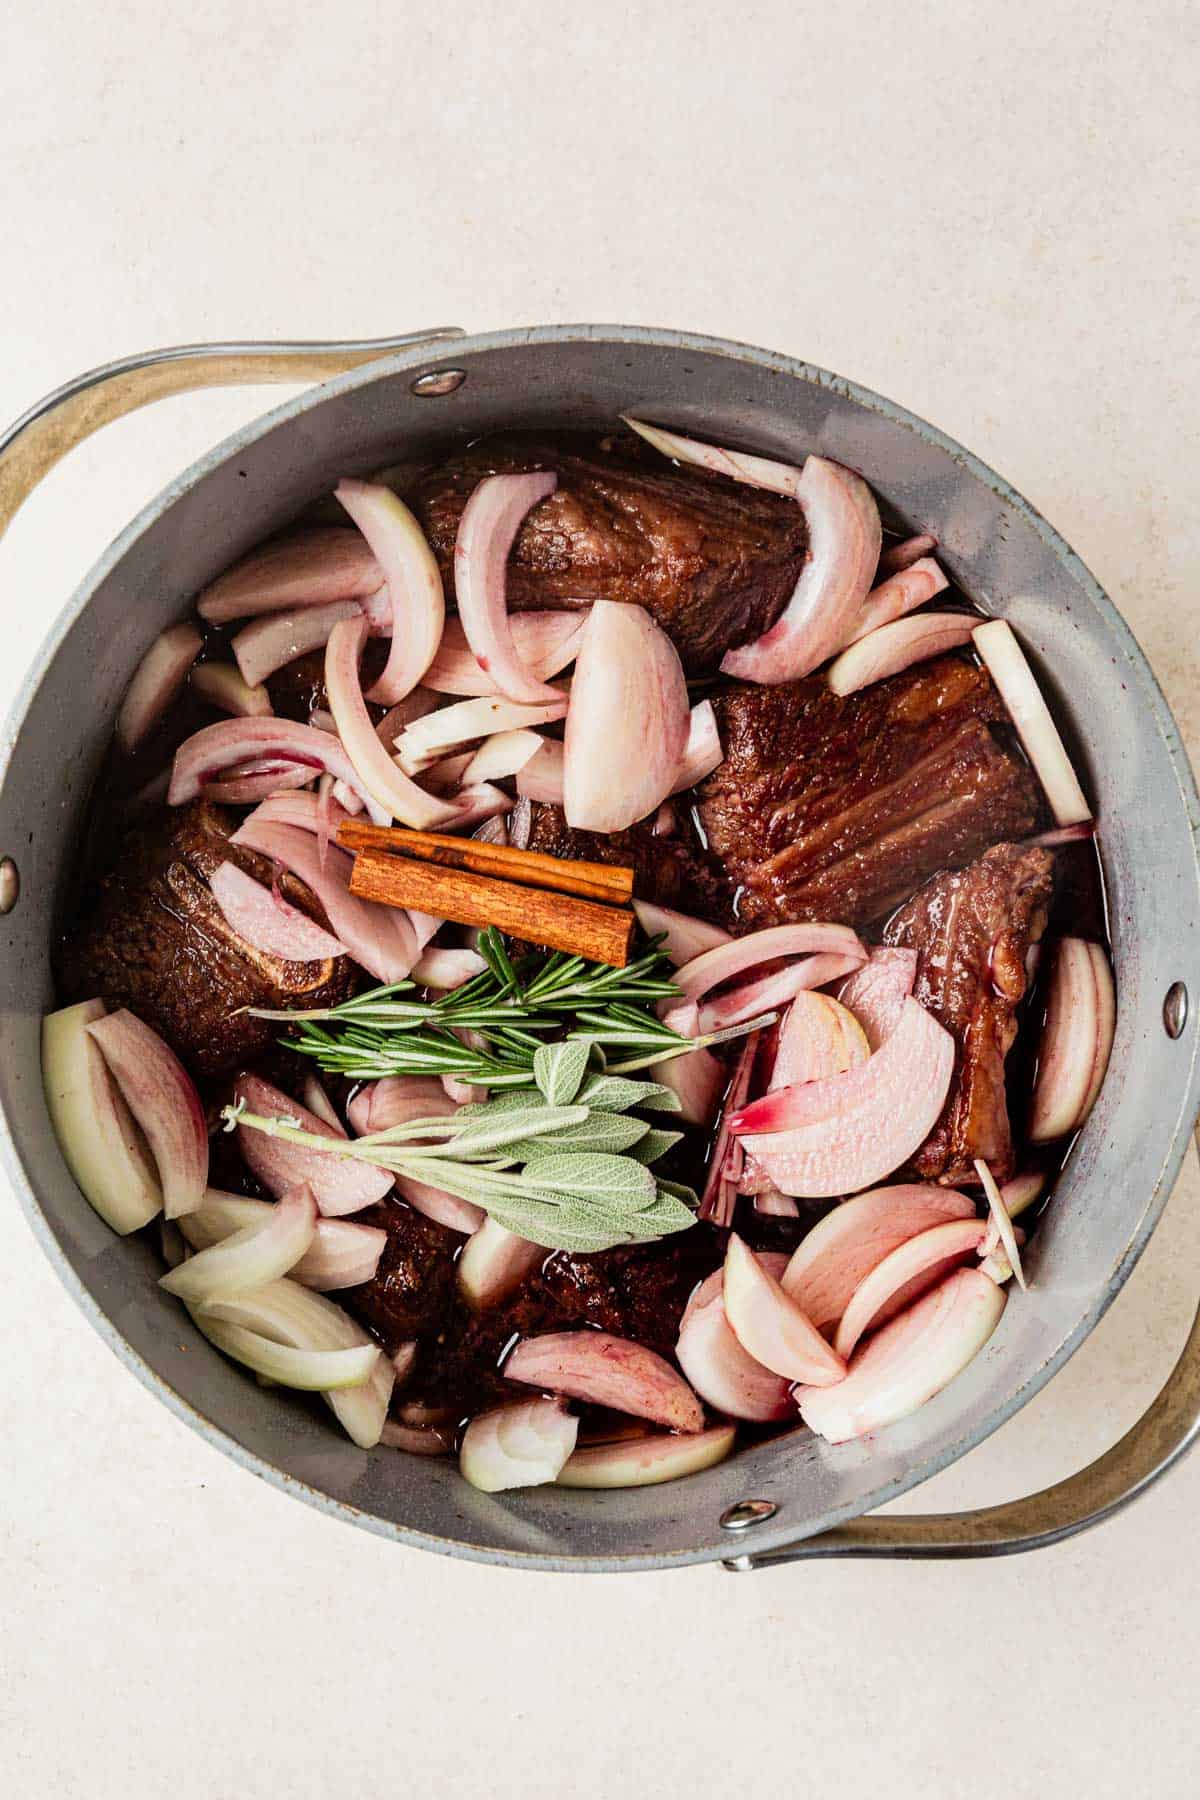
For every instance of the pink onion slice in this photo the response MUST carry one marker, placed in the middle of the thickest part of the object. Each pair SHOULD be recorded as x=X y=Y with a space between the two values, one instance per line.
x=308 y=568
x=223 y=686
x=646 y=1461
x=1076 y=1042
x=318 y=1101
x=397 y=1100
x=702 y=752
x=494 y=1263
x=341 y=1255
x=900 y=594
x=738 y=465
x=1029 y=713
x=414 y=584
x=301 y=810
x=766 y=993
x=257 y=780
x=100 y=1142
x=445 y=969
x=339 y=1185
x=890 y=648
x=725 y=1375
x=844 y=536
x=627 y=726
x=248 y=1258
x=930 y=1251
x=266 y=920
x=269 y=644
x=429 y=738
x=541 y=778
x=824 y=1138
x=818 y=1037
x=909 y=1361
x=683 y=936
x=1020 y=1193
x=725 y=961
x=522 y=1444
x=156 y=682
x=607 y=1371
x=876 y=993
x=545 y=642
x=503 y=754
x=904 y=554
x=840 y=1252
x=162 y=1097
x=414 y=706
x=201 y=759
x=376 y=775
x=446 y=1209
x=770 y=1325
x=380 y=938
x=489 y=524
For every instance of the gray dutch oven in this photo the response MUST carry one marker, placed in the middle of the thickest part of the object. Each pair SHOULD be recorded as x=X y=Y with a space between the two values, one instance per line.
x=378 y=402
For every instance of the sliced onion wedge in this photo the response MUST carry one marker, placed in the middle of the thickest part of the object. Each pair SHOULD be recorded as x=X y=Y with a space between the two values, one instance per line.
x=844 y=537
x=376 y=775
x=486 y=532
x=725 y=1375
x=266 y=920
x=840 y=1252
x=732 y=958
x=313 y=1371
x=824 y=1138
x=156 y=682
x=890 y=648
x=545 y=642
x=1020 y=1193
x=502 y=754
x=770 y=1326
x=519 y=1445
x=900 y=594
x=256 y=1254
x=318 y=1102
x=100 y=1142
x=398 y=1099
x=683 y=937
x=909 y=1263
x=1028 y=711
x=202 y=758
x=162 y=1097
x=904 y=554
x=541 y=778
x=339 y=1184
x=607 y=1371
x=909 y=1361
x=447 y=968
x=267 y=645
x=767 y=993
x=876 y=992
x=738 y=465
x=627 y=726
x=342 y=1254
x=646 y=1461
x=819 y=1037
x=702 y=752
x=467 y=721
x=1076 y=1042
x=308 y=568
x=494 y=1263
x=223 y=686
x=414 y=584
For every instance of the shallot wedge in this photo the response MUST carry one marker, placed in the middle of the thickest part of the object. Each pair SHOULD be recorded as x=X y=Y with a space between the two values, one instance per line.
x=725 y=1375
x=545 y=642
x=489 y=524
x=262 y=648
x=522 y=1444
x=311 y=1371
x=733 y=957
x=541 y=778
x=904 y=554
x=223 y=686
x=162 y=1097
x=819 y=1037
x=445 y=969
x=876 y=993
x=396 y=1100
x=607 y=1371
x=341 y=1255
x=627 y=726
x=1076 y=1042
x=376 y=774
x=766 y=993
x=308 y=568
x=494 y=1263
x=739 y=465
x=414 y=584
x=318 y=1101
x=840 y=1252
x=266 y=921
x=895 y=1275
x=890 y=648
x=156 y=683
x=683 y=937
x=431 y=737
x=770 y=1326
x=250 y=1257
x=646 y=1461
x=503 y=754
x=844 y=536
x=446 y=1209
x=1022 y=696
x=702 y=751
x=824 y=1138
x=201 y=759
x=100 y=1142
x=903 y=591
x=909 y=1361
x=340 y=1185
x=1020 y=1193
x=380 y=938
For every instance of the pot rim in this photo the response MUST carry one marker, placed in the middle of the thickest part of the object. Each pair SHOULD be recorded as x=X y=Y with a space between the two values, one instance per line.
x=423 y=356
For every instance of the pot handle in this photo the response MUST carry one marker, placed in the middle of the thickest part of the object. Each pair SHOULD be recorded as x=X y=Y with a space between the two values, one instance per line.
x=42 y=436
x=1163 y=1435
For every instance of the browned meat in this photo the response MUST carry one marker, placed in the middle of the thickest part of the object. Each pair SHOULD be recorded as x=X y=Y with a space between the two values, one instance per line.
x=151 y=937
x=828 y=808
x=671 y=869
x=972 y=930
x=713 y=560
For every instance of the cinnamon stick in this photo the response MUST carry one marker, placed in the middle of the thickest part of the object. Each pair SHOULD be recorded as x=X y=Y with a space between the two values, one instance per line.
x=560 y=921
x=608 y=882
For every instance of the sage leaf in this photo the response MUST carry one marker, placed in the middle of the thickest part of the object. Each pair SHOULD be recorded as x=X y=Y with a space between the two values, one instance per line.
x=616 y=1093
x=655 y=1144
x=560 y=1068
x=608 y=1133
x=616 y=1183
x=482 y=1135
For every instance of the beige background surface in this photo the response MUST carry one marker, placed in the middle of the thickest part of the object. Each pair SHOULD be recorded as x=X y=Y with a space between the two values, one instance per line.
x=986 y=212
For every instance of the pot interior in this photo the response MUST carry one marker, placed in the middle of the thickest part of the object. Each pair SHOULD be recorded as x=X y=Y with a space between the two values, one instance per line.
x=997 y=548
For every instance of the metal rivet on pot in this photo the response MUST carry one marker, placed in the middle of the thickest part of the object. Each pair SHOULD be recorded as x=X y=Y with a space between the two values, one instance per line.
x=10 y=884
x=438 y=382
x=745 y=1513
x=1175 y=1009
